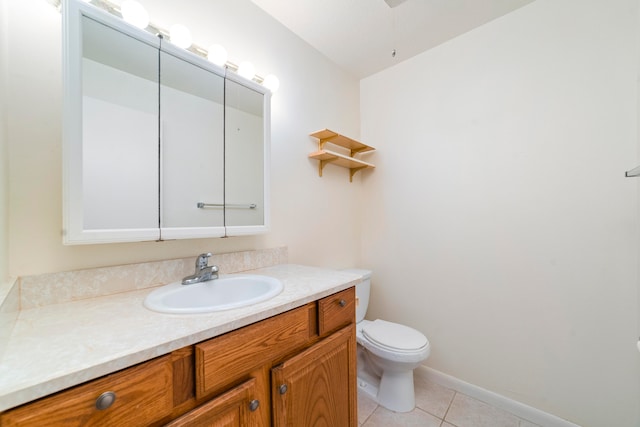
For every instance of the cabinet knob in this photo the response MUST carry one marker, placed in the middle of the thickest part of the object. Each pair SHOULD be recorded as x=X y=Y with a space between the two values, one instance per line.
x=254 y=404
x=342 y=303
x=105 y=400
x=283 y=389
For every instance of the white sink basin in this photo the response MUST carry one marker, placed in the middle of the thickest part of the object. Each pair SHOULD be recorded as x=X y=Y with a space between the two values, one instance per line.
x=227 y=292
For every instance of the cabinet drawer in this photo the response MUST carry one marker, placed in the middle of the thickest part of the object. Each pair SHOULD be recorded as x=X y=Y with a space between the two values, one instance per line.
x=225 y=359
x=143 y=394
x=336 y=310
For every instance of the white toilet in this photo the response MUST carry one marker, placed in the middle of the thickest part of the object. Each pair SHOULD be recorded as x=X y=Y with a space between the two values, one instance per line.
x=387 y=354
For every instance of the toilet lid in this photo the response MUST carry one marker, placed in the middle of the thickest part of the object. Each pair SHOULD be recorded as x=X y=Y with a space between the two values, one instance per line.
x=394 y=335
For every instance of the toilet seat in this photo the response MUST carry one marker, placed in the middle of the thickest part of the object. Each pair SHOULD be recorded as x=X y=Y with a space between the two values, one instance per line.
x=394 y=337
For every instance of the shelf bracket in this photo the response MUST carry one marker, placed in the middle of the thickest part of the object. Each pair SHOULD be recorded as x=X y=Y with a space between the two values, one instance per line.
x=355 y=151
x=321 y=165
x=353 y=171
x=322 y=142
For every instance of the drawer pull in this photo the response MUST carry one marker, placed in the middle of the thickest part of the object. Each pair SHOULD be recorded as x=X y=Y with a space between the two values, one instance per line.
x=283 y=389
x=254 y=404
x=105 y=400
x=342 y=303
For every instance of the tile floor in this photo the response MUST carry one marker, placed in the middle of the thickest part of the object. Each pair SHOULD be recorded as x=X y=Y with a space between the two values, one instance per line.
x=437 y=406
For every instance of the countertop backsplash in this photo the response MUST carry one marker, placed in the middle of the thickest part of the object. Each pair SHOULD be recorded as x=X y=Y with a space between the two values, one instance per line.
x=54 y=288
x=9 y=308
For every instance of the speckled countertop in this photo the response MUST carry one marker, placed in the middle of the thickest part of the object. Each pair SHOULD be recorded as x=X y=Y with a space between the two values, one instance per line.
x=57 y=346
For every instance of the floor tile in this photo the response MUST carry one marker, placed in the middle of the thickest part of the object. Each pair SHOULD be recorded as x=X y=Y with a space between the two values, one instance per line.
x=468 y=412
x=525 y=423
x=433 y=402
x=382 y=417
x=432 y=397
x=366 y=407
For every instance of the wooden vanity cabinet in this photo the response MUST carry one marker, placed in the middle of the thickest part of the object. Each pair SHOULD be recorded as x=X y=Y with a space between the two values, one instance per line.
x=297 y=368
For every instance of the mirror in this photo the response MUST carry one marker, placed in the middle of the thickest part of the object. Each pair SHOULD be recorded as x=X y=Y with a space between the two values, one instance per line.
x=158 y=143
x=192 y=134
x=245 y=157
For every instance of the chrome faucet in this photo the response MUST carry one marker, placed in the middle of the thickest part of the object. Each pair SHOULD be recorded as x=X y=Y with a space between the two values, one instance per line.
x=204 y=271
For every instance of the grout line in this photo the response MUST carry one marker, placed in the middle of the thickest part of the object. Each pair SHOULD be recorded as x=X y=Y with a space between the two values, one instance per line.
x=444 y=417
x=369 y=416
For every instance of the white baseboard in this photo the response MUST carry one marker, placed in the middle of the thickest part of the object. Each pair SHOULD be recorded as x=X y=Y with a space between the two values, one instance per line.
x=518 y=409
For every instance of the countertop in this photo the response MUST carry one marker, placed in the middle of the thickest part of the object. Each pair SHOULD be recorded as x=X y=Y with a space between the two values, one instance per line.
x=61 y=345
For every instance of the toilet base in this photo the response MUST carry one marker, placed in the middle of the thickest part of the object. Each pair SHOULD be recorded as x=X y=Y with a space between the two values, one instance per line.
x=392 y=389
x=396 y=391
x=368 y=384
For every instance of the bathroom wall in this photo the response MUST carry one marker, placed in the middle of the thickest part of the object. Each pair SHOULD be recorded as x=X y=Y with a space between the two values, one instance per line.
x=4 y=154
x=499 y=221
x=317 y=218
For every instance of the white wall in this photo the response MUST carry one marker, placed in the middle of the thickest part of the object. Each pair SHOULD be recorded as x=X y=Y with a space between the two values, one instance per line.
x=4 y=153
x=315 y=217
x=499 y=221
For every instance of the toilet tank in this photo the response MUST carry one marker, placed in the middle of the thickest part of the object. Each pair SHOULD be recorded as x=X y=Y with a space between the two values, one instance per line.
x=363 y=290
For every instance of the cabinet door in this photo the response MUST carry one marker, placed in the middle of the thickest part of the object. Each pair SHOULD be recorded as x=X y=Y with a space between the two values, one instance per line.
x=110 y=141
x=318 y=386
x=237 y=407
x=192 y=155
x=246 y=157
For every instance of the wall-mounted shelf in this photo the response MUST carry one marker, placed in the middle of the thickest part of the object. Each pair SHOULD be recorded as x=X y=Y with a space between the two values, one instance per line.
x=325 y=156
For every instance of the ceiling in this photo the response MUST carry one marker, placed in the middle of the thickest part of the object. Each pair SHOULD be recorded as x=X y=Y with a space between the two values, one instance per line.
x=360 y=35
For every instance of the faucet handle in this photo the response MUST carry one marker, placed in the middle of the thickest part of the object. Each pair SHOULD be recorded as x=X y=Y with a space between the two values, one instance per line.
x=203 y=260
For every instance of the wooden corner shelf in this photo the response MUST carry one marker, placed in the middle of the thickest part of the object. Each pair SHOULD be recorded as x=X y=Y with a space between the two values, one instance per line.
x=325 y=156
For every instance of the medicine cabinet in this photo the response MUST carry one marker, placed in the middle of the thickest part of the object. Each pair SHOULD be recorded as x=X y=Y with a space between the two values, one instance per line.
x=158 y=143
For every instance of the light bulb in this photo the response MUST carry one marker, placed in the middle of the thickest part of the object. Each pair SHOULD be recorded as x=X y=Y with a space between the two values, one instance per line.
x=247 y=70
x=217 y=54
x=271 y=82
x=180 y=36
x=134 y=13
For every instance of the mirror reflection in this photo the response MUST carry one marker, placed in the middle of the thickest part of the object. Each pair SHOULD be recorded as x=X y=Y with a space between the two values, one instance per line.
x=244 y=155
x=192 y=126
x=119 y=129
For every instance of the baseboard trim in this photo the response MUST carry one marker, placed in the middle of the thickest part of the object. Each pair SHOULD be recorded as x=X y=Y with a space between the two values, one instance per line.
x=518 y=409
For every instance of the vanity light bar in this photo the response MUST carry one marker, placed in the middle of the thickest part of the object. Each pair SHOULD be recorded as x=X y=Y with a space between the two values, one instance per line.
x=115 y=10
